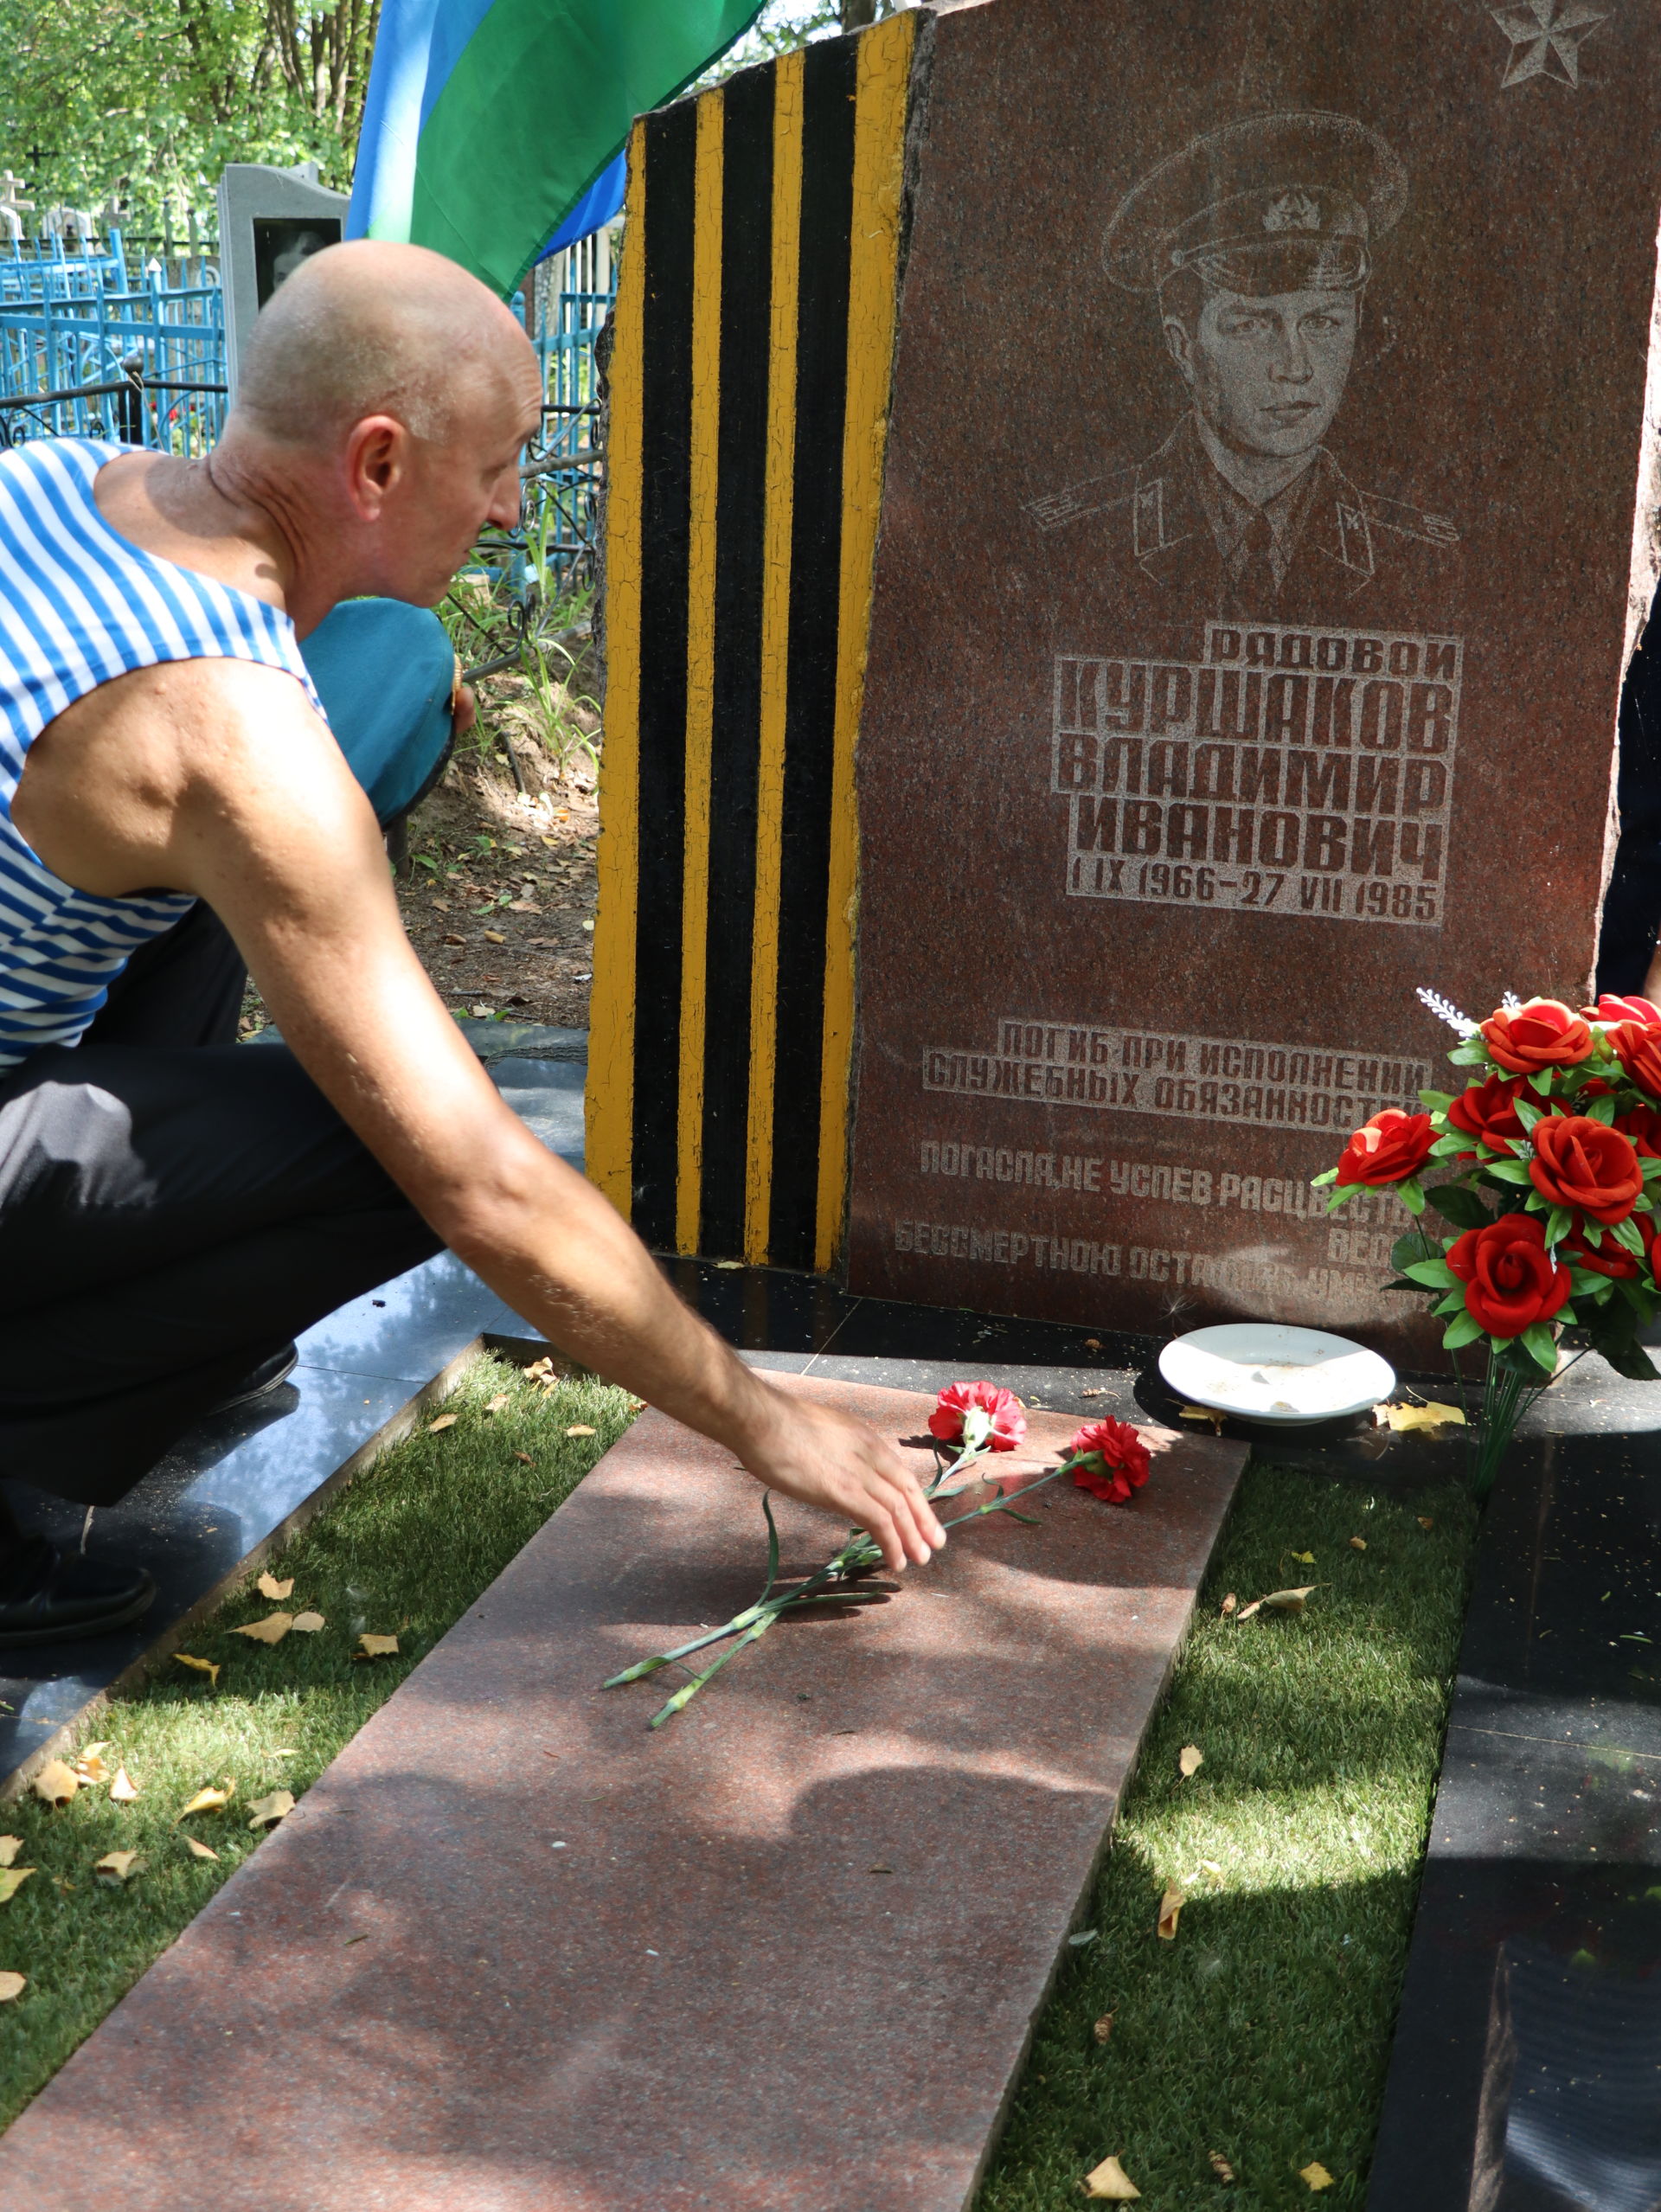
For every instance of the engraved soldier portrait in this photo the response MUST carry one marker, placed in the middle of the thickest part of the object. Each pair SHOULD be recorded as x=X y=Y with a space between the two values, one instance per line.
x=1250 y=252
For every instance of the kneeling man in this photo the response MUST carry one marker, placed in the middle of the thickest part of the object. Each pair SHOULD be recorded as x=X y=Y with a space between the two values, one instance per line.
x=174 y=1209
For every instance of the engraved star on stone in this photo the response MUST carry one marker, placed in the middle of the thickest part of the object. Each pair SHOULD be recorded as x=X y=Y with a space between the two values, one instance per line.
x=1546 y=39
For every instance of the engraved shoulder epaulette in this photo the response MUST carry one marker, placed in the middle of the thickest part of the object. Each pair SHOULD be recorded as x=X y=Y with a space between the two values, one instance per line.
x=1056 y=508
x=1410 y=521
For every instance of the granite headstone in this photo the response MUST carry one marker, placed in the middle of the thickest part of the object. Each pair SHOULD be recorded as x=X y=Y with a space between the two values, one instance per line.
x=270 y=221
x=1268 y=518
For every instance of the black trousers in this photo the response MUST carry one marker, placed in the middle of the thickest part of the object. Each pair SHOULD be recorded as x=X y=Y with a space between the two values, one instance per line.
x=173 y=1208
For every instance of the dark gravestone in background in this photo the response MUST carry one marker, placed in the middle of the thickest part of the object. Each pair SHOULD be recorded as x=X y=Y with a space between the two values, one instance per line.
x=1245 y=652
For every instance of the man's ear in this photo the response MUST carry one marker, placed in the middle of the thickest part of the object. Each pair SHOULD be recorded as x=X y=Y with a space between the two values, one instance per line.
x=1181 y=349
x=377 y=457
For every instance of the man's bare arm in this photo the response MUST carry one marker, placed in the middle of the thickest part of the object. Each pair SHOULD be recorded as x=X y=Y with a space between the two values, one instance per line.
x=259 y=815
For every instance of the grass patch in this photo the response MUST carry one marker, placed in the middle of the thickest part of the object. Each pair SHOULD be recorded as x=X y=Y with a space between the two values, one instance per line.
x=1262 y=2031
x=404 y=1551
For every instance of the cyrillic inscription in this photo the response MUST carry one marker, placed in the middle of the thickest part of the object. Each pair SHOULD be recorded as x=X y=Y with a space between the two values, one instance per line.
x=1300 y=771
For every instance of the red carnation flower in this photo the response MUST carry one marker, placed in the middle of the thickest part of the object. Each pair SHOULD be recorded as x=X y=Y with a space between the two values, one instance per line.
x=1112 y=1460
x=1510 y=1279
x=978 y=1412
x=1389 y=1148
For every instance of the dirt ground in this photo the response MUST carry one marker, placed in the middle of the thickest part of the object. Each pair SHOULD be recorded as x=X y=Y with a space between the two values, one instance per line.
x=498 y=888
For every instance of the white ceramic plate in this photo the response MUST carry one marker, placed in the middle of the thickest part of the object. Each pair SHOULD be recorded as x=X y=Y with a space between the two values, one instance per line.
x=1264 y=1371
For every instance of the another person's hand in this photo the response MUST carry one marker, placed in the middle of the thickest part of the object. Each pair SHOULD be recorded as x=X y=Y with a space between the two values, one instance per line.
x=827 y=1459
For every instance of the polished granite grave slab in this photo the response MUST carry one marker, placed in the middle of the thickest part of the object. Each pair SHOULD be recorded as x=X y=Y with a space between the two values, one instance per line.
x=1526 y=2071
x=515 y=1953
x=238 y=1481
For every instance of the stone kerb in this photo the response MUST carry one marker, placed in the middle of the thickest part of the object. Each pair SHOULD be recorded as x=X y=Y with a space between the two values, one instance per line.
x=513 y=1951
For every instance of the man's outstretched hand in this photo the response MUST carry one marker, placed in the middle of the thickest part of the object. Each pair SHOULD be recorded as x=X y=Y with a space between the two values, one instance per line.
x=829 y=1459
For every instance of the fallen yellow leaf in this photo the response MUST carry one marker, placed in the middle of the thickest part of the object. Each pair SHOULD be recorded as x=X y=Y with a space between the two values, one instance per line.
x=267 y=1810
x=501 y=1398
x=1110 y=2179
x=1220 y=2166
x=1431 y=1415
x=445 y=1420
x=580 y=1429
x=1210 y=1866
x=9 y=1847
x=1281 y=1600
x=1316 y=2174
x=308 y=1623
x=89 y=1768
x=1104 y=2028
x=1229 y=1604
x=12 y=1986
x=208 y=1800
x=1190 y=1759
x=123 y=1789
x=12 y=1880
x=1357 y=1543
x=494 y=937
x=55 y=1782
x=1304 y=1558
x=207 y=1667
x=199 y=1851
x=269 y=1587
x=1424 y=1521
x=539 y=1370
x=1191 y=1413
x=271 y=1630
x=525 y=1457
x=117 y=1866
x=1170 y=1906
x=376 y=1647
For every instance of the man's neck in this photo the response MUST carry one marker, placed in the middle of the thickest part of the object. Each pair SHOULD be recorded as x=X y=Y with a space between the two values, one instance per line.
x=1256 y=477
x=232 y=517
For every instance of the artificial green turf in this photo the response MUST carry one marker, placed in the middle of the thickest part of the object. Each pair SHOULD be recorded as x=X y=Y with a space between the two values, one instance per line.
x=1263 y=2030
x=404 y=1551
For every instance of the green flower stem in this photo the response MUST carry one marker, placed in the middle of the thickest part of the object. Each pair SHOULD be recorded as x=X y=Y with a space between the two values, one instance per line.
x=857 y=1554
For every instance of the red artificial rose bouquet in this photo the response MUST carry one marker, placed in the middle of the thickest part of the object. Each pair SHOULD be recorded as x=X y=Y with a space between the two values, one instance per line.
x=1554 y=1148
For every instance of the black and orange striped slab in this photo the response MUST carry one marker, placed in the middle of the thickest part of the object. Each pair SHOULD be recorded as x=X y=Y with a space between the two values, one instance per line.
x=750 y=380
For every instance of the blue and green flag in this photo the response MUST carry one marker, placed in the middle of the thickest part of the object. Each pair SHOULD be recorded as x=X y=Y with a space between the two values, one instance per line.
x=493 y=129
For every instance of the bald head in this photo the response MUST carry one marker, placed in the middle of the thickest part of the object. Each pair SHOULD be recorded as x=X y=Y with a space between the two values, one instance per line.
x=371 y=328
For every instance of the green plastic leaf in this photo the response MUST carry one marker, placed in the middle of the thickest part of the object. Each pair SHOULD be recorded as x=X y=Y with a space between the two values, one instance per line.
x=1407 y=1248
x=1602 y=1110
x=1457 y=1203
x=1453 y=1303
x=1411 y=1196
x=1473 y=1053
x=1630 y=1234
x=1506 y=1170
x=1435 y=1274
x=1541 y=1346
x=1450 y=1146
x=1316 y=1181
x=1437 y=1101
x=1527 y=1115
x=1464 y=1330
x=1540 y=1083
x=1558 y=1222
x=1339 y=1196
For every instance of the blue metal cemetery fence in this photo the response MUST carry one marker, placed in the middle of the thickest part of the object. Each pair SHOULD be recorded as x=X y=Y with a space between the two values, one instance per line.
x=92 y=348
x=96 y=345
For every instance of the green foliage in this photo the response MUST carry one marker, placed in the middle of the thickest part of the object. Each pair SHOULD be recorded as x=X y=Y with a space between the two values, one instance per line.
x=145 y=102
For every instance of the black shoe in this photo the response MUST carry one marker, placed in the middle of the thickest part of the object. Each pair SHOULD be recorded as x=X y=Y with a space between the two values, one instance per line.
x=267 y=1376
x=52 y=1597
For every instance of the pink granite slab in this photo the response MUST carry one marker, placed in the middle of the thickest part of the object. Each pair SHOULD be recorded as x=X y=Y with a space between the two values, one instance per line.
x=600 y=1966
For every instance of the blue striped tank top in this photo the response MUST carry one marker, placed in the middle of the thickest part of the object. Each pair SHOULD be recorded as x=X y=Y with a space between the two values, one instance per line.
x=79 y=605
